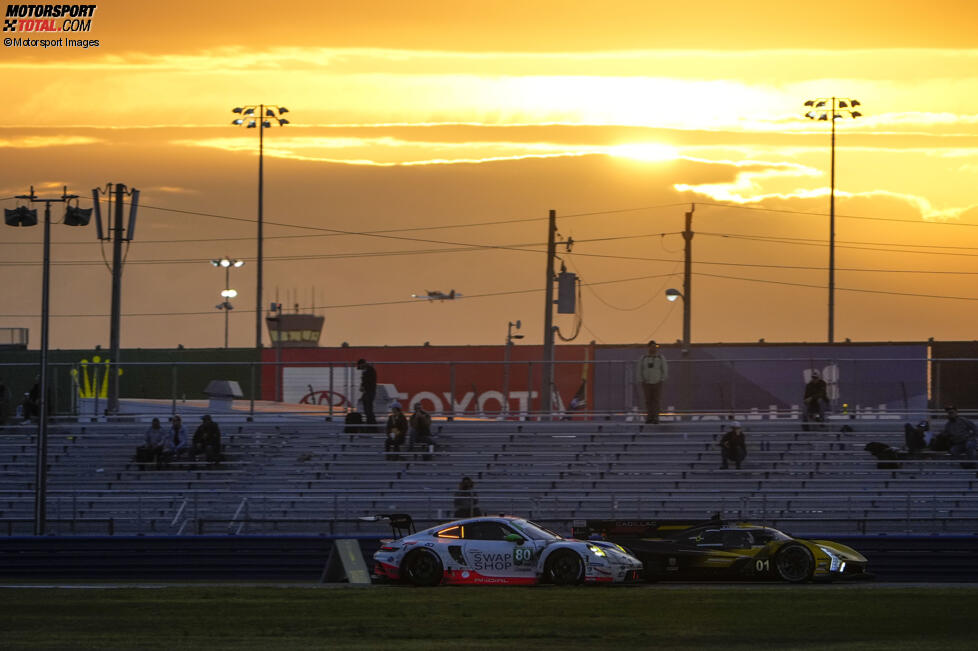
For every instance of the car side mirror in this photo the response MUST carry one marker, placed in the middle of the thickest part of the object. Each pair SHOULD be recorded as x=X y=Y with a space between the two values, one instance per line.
x=514 y=538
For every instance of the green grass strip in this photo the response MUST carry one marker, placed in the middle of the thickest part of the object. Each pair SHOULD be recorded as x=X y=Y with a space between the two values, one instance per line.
x=670 y=617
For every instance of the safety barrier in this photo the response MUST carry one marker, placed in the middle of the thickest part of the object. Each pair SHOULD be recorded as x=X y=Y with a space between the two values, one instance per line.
x=302 y=558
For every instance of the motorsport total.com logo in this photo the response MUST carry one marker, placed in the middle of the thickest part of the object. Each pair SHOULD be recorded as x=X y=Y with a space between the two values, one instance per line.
x=35 y=21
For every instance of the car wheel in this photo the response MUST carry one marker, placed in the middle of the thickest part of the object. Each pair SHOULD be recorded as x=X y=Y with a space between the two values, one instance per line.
x=564 y=568
x=794 y=563
x=422 y=567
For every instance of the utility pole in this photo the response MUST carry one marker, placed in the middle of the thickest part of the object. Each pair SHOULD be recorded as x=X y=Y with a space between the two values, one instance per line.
x=687 y=370
x=116 y=234
x=546 y=398
x=688 y=276
x=261 y=222
x=112 y=406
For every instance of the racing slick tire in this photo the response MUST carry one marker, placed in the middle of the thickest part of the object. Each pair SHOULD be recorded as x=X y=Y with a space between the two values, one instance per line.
x=564 y=567
x=422 y=568
x=794 y=563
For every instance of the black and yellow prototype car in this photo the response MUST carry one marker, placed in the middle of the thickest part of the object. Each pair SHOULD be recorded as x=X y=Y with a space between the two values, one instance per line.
x=714 y=549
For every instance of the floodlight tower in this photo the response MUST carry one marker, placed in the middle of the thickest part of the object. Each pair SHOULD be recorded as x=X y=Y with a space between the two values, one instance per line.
x=257 y=117
x=24 y=216
x=831 y=109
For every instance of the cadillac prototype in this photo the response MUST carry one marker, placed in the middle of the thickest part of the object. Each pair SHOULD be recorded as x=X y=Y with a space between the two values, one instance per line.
x=715 y=549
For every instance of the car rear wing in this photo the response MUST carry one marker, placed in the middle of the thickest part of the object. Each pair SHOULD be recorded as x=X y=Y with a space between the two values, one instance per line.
x=401 y=523
x=586 y=529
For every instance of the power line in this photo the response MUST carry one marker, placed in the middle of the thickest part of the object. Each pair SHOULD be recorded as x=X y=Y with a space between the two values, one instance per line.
x=821 y=242
x=521 y=248
x=854 y=247
x=838 y=216
x=525 y=247
x=349 y=305
x=531 y=291
x=843 y=289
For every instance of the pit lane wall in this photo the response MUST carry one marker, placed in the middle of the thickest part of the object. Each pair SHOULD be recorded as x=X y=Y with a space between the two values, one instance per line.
x=864 y=380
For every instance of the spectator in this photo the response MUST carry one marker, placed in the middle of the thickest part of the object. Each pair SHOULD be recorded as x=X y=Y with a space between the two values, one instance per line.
x=32 y=401
x=207 y=440
x=816 y=394
x=152 y=448
x=4 y=402
x=733 y=446
x=961 y=433
x=396 y=431
x=368 y=389
x=651 y=371
x=466 y=501
x=917 y=437
x=419 y=427
x=175 y=443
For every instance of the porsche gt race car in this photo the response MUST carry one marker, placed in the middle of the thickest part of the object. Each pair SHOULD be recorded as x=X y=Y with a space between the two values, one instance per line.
x=720 y=550
x=501 y=550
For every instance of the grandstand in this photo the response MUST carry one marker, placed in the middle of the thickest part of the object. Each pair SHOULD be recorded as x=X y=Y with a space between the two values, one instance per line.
x=306 y=475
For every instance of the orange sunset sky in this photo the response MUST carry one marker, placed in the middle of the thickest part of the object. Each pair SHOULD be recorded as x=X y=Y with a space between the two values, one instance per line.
x=429 y=140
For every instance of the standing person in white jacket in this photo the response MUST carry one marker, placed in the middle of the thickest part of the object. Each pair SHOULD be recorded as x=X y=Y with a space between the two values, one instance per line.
x=651 y=371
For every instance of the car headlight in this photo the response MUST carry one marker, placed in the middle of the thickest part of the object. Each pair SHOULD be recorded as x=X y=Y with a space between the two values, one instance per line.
x=837 y=563
x=597 y=551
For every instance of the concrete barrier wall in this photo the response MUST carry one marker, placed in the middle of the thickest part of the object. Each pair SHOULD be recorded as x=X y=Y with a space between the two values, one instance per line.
x=302 y=558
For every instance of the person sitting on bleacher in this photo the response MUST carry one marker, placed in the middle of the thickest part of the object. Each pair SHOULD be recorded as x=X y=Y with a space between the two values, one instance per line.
x=175 y=443
x=733 y=446
x=466 y=501
x=207 y=440
x=916 y=437
x=396 y=430
x=961 y=432
x=152 y=448
x=419 y=427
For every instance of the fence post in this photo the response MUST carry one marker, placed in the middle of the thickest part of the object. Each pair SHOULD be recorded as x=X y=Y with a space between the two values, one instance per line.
x=451 y=389
x=733 y=386
x=251 y=407
x=629 y=393
x=173 y=389
x=331 y=390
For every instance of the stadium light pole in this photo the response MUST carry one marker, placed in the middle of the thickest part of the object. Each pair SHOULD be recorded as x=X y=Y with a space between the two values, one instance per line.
x=831 y=109
x=228 y=293
x=24 y=216
x=254 y=117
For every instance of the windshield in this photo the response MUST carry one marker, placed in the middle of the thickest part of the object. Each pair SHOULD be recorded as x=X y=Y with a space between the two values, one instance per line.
x=766 y=535
x=534 y=531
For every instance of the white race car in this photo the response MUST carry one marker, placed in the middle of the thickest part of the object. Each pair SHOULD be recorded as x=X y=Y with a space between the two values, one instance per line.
x=503 y=550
